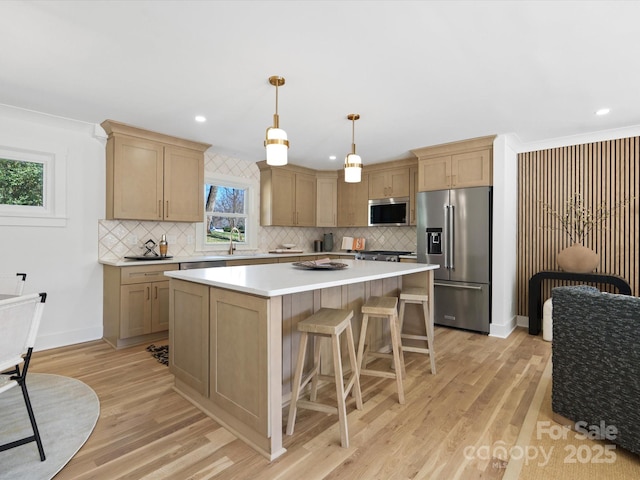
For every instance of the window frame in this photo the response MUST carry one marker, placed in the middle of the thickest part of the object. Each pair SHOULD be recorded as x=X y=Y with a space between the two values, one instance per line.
x=252 y=211
x=52 y=213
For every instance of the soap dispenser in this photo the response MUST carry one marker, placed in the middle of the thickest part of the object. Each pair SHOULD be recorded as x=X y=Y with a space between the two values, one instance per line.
x=163 y=246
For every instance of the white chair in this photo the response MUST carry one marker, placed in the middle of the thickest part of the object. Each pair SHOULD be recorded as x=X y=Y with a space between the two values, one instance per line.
x=12 y=283
x=19 y=322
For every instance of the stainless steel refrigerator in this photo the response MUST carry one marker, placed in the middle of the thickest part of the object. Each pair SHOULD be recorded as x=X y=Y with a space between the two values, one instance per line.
x=454 y=231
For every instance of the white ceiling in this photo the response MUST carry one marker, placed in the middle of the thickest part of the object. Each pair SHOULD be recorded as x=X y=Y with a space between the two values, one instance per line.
x=418 y=72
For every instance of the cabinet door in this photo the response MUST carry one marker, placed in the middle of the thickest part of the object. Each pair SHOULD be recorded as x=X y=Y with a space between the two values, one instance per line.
x=189 y=334
x=135 y=314
x=360 y=207
x=183 y=185
x=283 y=188
x=399 y=183
x=326 y=202
x=305 y=200
x=353 y=199
x=378 y=185
x=137 y=179
x=471 y=169
x=346 y=202
x=159 y=306
x=413 y=195
x=434 y=174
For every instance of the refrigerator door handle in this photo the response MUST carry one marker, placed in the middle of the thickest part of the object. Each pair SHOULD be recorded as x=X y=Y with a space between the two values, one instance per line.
x=445 y=236
x=452 y=236
x=467 y=287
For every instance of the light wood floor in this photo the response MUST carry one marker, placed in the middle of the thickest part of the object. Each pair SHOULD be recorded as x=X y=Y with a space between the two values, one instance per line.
x=479 y=396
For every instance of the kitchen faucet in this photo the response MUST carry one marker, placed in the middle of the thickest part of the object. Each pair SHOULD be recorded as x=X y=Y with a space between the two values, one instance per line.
x=231 y=247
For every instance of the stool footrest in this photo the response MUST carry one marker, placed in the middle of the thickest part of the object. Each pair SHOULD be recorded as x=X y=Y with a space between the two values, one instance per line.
x=379 y=355
x=415 y=337
x=377 y=373
x=415 y=349
x=318 y=407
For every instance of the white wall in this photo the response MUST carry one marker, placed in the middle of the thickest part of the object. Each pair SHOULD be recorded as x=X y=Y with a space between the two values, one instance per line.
x=61 y=261
x=505 y=230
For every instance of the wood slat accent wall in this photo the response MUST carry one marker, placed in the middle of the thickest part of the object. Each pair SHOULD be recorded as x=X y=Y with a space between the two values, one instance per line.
x=605 y=171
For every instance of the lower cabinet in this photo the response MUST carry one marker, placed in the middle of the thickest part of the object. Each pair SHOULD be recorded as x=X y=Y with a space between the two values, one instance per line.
x=189 y=334
x=136 y=304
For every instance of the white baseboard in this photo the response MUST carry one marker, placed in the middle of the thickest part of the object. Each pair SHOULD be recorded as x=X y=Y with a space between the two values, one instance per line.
x=63 y=339
x=502 y=330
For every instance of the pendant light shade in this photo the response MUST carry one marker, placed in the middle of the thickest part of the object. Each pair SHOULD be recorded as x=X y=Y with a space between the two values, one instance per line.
x=276 y=143
x=353 y=162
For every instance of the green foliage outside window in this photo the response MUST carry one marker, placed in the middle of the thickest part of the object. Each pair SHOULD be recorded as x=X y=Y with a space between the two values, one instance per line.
x=21 y=183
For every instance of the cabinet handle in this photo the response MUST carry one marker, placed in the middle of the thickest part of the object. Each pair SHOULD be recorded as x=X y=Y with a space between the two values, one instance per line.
x=167 y=213
x=159 y=208
x=155 y=292
x=148 y=292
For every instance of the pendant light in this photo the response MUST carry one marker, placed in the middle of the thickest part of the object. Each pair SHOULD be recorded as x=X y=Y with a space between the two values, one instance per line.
x=276 y=143
x=353 y=162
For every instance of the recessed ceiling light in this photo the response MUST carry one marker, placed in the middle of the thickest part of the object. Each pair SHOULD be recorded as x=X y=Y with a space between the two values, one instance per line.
x=200 y=118
x=332 y=157
x=603 y=111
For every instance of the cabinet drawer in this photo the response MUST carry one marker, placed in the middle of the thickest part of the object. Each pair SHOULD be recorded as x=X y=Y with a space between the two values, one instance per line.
x=145 y=273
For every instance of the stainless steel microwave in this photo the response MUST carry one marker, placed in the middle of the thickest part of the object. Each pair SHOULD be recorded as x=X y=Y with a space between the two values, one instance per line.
x=389 y=212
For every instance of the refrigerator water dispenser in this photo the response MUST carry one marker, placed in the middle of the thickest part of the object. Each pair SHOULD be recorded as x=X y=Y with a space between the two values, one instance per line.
x=434 y=241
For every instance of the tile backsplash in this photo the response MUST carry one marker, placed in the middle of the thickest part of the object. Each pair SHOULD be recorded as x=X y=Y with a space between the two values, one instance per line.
x=119 y=238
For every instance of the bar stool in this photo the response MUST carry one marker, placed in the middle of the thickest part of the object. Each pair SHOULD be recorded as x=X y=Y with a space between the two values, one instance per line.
x=382 y=307
x=418 y=295
x=325 y=322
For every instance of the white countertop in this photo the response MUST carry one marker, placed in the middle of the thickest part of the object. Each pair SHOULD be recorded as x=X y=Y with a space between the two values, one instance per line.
x=208 y=258
x=236 y=256
x=276 y=279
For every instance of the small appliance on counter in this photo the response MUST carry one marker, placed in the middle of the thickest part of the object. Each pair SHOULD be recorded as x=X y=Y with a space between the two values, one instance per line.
x=327 y=242
x=150 y=252
x=353 y=244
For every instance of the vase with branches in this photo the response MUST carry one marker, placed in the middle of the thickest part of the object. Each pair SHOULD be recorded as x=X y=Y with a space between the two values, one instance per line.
x=578 y=219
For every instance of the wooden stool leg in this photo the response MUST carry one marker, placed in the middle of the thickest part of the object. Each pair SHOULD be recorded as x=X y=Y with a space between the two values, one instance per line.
x=398 y=358
x=316 y=368
x=401 y=314
x=342 y=408
x=430 y=336
x=297 y=379
x=363 y=335
x=354 y=368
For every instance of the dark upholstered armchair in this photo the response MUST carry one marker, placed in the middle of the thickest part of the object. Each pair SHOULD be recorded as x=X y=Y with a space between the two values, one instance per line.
x=596 y=360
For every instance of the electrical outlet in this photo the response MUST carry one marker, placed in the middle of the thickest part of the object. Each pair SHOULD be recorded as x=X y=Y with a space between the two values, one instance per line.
x=189 y=239
x=132 y=239
x=171 y=239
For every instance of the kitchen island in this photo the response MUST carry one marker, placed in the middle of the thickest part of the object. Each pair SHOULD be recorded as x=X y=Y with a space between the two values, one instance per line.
x=233 y=336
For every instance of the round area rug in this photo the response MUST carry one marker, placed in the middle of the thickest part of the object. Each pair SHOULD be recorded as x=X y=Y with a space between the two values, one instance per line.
x=66 y=411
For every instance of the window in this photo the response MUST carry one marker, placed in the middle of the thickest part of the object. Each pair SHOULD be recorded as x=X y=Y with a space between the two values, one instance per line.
x=228 y=205
x=31 y=188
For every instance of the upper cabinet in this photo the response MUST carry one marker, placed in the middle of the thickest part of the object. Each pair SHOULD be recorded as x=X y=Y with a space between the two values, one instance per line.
x=389 y=183
x=287 y=196
x=326 y=199
x=152 y=176
x=462 y=164
x=353 y=199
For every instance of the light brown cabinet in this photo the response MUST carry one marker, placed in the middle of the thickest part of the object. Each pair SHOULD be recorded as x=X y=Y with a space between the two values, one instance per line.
x=189 y=335
x=136 y=304
x=151 y=176
x=389 y=183
x=413 y=195
x=353 y=199
x=456 y=165
x=287 y=196
x=326 y=199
